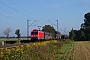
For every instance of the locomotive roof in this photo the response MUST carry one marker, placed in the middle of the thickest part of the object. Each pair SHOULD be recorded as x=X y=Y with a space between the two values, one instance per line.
x=37 y=30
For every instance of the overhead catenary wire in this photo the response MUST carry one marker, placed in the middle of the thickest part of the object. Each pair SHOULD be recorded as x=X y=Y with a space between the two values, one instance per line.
x=11 y=13
x=52 y=23
x=18 y=10
x=24 y=10
x=14 y=9
x=14 y=4
x=11 y=17
x=19 y=7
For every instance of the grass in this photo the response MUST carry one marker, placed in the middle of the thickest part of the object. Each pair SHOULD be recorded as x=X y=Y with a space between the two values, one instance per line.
x=67 y=51
x=0 y=43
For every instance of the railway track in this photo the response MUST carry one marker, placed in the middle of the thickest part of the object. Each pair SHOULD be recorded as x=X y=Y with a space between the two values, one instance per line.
x=14 y=45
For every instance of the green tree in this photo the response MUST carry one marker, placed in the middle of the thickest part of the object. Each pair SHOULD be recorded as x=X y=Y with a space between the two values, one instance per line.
x=87 y=33
x=72 y=34
x=86 y=26
x=48 y=28
x=17 y=32
x=57 y=32
x=80 y=35
x=86 y=21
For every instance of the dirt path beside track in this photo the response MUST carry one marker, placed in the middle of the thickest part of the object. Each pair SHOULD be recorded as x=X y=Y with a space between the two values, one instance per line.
x=82 y=50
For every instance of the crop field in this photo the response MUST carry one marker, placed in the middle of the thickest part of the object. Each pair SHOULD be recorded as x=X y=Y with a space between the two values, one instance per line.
x=82 y=50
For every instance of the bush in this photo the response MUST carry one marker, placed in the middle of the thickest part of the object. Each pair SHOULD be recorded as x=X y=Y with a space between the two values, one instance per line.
x=10 y=42
x=25 y=41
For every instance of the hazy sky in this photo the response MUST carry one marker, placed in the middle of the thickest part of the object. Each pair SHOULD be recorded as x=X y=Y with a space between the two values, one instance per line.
x=69 y=13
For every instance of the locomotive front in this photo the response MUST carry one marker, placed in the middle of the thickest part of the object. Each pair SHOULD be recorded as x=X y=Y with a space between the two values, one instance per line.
x=37 y=35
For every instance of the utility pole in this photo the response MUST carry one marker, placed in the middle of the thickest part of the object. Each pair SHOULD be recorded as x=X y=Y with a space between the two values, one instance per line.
x=28 y=25
x=57 y=25
x=54 y=24
x=27 y=28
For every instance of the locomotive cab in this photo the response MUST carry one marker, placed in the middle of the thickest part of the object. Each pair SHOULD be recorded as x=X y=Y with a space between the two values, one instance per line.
x=34 y=35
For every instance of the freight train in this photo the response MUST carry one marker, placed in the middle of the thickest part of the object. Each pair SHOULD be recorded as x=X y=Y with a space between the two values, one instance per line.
x=37 y=35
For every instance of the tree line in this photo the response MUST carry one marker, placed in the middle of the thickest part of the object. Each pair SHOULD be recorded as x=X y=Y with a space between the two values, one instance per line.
x=84 y=33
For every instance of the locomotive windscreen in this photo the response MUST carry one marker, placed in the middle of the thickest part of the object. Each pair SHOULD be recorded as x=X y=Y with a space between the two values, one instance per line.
x=34 y=33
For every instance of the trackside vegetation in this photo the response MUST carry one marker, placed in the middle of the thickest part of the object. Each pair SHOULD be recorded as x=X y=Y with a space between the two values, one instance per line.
x=47 y=50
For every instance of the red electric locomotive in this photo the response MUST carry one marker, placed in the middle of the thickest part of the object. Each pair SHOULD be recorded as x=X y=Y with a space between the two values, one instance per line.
x=37 y=35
